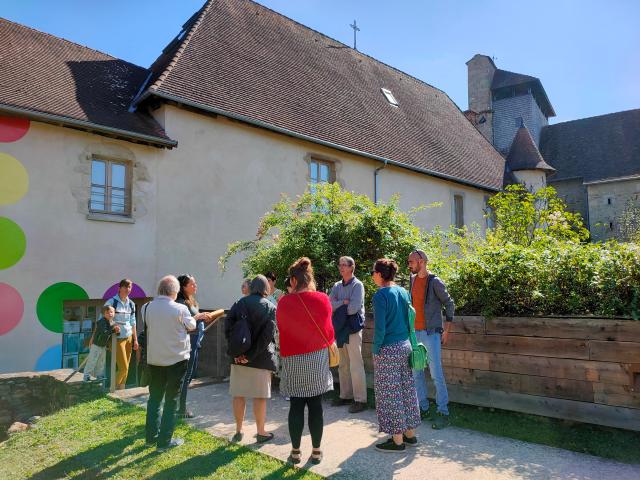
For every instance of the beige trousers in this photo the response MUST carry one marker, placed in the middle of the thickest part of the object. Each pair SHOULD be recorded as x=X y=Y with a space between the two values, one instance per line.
x=353 y=382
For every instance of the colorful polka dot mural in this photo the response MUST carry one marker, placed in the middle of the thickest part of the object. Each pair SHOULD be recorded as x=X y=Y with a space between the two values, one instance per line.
x=13 y=243
x=136 y=291
x=11 y=308
x=14 y=180
x=51 y=359
x=13 y=128
x=49 y=306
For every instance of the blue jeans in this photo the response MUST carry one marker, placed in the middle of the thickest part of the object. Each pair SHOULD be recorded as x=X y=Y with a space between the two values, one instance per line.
x=432 y=342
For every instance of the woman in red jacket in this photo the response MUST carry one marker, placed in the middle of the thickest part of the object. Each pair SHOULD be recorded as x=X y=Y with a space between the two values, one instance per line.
x=304 y=323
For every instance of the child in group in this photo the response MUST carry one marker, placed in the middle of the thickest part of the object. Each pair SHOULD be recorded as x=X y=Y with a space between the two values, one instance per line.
x=99 y=341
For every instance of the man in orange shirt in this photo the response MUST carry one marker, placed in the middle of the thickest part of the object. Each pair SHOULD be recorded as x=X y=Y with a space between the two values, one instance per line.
x=428 y=296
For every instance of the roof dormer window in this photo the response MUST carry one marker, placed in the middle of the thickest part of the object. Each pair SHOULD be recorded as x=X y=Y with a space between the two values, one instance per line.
x=389 y=96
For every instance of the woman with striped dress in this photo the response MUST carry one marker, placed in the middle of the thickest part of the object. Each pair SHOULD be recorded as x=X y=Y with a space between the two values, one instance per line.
x=304 y=323
x=395 y=390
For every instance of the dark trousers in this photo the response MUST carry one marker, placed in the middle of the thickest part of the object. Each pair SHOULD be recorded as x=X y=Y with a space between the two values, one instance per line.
x=192 y=367
x=164 y=383
x=315 y=419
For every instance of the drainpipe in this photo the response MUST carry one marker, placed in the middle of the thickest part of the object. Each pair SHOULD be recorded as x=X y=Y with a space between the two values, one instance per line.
x=375 y=182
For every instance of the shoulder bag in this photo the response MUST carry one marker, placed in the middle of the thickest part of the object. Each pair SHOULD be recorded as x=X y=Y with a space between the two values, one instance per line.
x=332 y=349
x=419 y=358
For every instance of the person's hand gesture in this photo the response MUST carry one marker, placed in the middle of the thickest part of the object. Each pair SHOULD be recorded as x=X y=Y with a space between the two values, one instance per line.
x=241 y=360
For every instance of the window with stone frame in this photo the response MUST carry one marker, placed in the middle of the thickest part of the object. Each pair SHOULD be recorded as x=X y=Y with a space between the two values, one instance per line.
x=320 y=171
x=110 y=190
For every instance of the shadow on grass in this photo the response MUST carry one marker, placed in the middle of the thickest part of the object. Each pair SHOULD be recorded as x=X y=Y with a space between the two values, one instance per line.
x=91 y=463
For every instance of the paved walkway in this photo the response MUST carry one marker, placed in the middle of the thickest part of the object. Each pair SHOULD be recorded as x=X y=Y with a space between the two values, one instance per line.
x=448 y=454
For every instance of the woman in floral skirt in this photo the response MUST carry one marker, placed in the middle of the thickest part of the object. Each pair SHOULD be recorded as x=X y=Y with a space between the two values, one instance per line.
x=396 y=397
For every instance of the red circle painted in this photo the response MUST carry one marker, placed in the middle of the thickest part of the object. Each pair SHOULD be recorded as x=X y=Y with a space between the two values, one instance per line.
x=11 y=308
x=13 y=128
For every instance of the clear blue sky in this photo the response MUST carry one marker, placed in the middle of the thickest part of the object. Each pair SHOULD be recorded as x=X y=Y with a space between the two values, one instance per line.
x=586 y=52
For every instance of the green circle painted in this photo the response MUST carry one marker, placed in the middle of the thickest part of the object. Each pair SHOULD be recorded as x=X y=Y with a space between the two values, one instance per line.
x=13 y=243
x=50 y=303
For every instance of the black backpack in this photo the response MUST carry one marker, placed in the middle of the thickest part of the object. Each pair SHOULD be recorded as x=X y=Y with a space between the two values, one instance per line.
x=238 y=332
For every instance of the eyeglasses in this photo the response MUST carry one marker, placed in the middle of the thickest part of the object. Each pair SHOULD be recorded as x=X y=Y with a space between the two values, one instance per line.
x=343 y=265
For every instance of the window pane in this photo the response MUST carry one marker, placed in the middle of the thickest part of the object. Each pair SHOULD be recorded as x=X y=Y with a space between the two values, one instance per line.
x=118 y=172
x=458 y=206
x=118 y=200
x=98 y=172
x=324 y=173
x=314 y=172
x=97 y=200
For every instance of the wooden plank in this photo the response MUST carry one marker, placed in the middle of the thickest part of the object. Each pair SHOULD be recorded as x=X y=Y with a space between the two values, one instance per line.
x=468 y=324
x=532 y=385
x=623 y=352
x=579 y=328
x=542 y=347
x=622 y=395
x=593 y=371
x=618 y=417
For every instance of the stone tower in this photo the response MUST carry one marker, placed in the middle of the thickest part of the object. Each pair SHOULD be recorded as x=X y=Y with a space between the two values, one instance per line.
x=481 y=70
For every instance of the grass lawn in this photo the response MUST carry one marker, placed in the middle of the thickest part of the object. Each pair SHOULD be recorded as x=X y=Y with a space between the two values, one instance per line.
x=105 y=438
x=614 y=443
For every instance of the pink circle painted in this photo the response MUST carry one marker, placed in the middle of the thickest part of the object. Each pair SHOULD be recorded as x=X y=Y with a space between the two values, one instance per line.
x=136 y=292
x=11 y=308
x=13 y=128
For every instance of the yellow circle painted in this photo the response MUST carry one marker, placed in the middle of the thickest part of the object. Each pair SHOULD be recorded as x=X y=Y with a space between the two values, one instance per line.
x=14 y=179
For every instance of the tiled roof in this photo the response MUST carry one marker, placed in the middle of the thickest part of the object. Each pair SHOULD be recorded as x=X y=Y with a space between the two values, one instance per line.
x=524 y=155
x=596 y=148
x=51 y=79
x=240 y=59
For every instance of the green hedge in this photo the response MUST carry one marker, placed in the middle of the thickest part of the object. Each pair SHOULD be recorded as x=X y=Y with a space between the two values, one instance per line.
x=553 y=278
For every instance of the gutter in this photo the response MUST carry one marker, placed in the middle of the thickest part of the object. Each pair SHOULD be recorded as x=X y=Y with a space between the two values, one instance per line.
x=375 y=182
x=300 y=136
x=88 y=126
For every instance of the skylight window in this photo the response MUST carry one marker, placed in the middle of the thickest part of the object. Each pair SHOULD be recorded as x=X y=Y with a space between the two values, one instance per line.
x=389 y=96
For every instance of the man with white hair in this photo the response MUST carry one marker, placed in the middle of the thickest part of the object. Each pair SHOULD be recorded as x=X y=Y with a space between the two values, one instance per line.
x=167 y=325
x=347 y=301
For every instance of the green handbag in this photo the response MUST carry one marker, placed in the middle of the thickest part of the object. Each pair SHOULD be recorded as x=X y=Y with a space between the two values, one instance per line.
x=419 y=358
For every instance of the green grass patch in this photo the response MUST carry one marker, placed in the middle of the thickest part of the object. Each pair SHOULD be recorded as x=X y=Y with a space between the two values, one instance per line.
x=105 y=438
x=613 y=443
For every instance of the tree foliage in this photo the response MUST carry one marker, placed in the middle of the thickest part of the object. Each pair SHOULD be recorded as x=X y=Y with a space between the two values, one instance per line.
x=523 y=218
x=324 y=225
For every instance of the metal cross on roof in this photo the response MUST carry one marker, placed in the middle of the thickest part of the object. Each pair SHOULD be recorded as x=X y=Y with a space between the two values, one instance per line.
x=355 y=30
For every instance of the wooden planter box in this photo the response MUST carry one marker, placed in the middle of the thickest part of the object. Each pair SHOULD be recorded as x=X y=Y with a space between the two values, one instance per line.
x=579 y=369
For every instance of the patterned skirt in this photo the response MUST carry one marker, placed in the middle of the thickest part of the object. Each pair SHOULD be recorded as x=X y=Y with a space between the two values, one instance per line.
x=396 y=397
x=306 y=375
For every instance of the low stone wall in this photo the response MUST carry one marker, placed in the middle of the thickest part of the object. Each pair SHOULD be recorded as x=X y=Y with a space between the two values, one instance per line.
x=580 y=369
x=25 y=394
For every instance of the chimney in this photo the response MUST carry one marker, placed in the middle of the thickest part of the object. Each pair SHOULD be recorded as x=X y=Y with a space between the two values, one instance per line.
x=480 y=70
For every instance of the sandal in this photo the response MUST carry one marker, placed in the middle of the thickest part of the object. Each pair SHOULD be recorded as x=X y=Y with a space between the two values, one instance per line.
x=264 y=438
x=316 y=456
x=295 y=456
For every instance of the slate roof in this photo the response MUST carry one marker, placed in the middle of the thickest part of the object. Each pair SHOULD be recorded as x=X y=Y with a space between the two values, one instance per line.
x=595 y=148
x=53 y=80
x=505 y=79
x=240 y=59
x=524 y=155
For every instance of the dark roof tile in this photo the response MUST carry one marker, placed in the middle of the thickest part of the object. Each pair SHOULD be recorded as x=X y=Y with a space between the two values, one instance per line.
x=524 y=155
x=44 y=74
x=250 y=62
x=595 y=148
